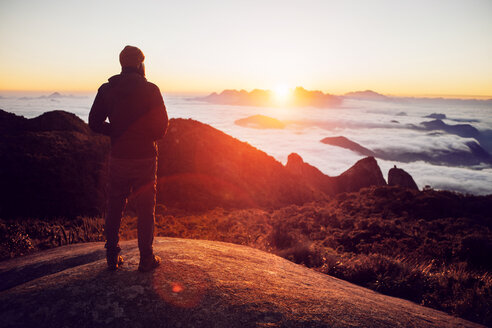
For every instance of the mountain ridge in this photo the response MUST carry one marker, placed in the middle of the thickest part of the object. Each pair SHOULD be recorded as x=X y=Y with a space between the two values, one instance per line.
x=200 y=168
x=299 y=97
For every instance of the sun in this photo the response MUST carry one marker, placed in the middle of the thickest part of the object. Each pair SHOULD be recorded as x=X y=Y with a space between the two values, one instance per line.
x=281 y=93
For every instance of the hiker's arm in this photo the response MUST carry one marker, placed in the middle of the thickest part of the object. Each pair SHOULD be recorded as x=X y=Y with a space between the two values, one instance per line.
x=98 y=115
x=160 y=120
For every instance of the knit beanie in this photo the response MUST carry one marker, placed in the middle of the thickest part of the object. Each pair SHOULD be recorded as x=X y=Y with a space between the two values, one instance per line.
x=131 y=56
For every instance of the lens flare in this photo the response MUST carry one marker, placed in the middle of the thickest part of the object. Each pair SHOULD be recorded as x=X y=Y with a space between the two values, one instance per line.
x=182 y=285
x=176 y=287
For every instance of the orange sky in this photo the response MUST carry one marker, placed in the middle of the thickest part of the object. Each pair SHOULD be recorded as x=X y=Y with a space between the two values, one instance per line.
x=425 y=48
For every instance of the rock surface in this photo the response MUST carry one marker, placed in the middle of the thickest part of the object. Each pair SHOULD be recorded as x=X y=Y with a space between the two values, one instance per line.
x=200 y=284
x=364 y=173
x=399 y=177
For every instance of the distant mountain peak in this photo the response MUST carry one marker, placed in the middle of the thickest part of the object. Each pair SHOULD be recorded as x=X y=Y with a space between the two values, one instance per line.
x=299 y=97
x=366 y=94
x=344 y=142
x=55 y=95
x=364 y=173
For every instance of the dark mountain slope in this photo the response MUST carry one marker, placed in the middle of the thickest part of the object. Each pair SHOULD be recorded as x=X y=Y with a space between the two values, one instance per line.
x=201 y=168
x=54 y=166
x=51 y=165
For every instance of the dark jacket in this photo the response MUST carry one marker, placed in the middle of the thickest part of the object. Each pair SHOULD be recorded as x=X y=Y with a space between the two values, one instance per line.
x=136 y=111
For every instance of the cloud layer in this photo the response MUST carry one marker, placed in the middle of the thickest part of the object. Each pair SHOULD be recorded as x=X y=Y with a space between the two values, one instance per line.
x=368 y=123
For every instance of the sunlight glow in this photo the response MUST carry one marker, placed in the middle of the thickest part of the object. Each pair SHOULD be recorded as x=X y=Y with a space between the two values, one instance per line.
x=282 y=93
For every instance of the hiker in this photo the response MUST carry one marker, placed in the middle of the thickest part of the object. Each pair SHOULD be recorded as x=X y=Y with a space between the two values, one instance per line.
x=137 y=119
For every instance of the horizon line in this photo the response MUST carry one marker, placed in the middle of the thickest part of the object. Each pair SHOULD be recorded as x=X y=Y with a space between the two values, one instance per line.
x=398 y=95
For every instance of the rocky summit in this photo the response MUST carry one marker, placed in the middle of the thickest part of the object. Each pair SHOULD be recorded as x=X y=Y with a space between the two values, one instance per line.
x=399 y=177
x=199 y=284
x=364 y=173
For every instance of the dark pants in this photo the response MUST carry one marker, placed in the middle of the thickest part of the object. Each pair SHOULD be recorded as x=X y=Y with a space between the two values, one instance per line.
x=134 y=178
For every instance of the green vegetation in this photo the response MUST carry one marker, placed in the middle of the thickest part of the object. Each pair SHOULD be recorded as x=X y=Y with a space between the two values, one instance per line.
x=431 y=247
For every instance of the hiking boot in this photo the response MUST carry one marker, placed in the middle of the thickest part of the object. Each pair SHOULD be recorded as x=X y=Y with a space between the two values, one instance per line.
x=149 y=263
x=114 y=261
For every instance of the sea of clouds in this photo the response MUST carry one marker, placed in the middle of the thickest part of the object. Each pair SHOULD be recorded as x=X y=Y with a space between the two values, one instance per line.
x=391 y=125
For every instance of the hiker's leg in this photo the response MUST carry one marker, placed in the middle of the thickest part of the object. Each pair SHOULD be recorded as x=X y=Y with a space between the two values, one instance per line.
x=119 y=189
x=145 y=193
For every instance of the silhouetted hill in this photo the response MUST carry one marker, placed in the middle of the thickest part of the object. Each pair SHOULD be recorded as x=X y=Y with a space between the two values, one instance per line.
x=441 y=116
x=300 y=97
x=200 y=284
x=53 y=165
x=437 y=116
x=343 y=142
x=53 y=96
x=47 y=122
x=484 y=138
x=310 y=174
x=260 y=122
x=303 y=97
x=256 y=97
x=201 y=168
x=365 y=172
x=462 y=130
x=366 y=95
x=399 y=177
x=453 y=157
x=442 y=102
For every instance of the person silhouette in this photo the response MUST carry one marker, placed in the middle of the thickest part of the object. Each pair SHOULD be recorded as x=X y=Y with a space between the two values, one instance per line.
x=137 y=119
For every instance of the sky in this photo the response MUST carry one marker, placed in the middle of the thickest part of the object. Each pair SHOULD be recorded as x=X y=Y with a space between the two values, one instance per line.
x=419 y=48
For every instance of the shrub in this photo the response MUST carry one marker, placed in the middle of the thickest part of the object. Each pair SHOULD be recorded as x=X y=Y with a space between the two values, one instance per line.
x=303 y=253
x=15 y=241
x=280 y=237
x=19 y=237
x=385 y=238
